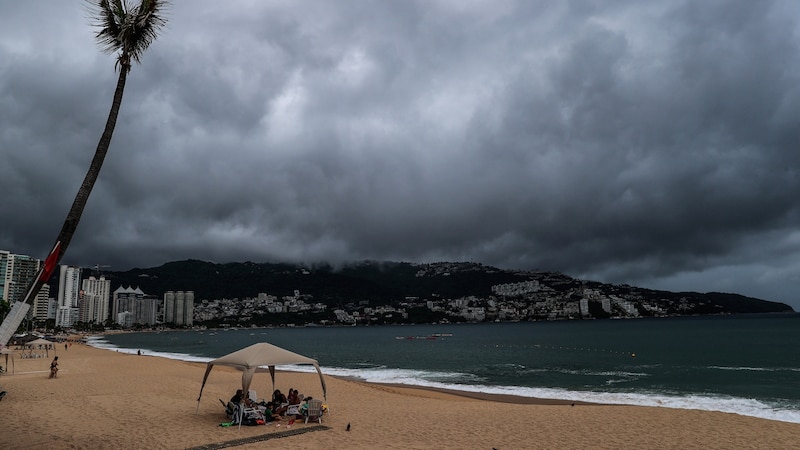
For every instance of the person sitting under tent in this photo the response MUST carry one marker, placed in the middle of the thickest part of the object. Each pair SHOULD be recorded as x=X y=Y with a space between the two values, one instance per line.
x=280 y=402
x=269 y=412
x=292 y=399
x=239 y=397
x=278 y=397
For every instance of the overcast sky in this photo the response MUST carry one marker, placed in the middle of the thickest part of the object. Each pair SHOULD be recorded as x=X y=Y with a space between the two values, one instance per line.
x=649 y=143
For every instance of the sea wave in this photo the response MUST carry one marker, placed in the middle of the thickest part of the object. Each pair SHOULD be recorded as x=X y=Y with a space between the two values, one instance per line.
x=101 y=343
x=757 y=369
x=741 y=406
x=617 y=373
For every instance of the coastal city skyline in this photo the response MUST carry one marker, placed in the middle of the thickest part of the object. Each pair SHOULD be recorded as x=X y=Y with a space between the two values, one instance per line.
x=370 y=293
x=651 y=144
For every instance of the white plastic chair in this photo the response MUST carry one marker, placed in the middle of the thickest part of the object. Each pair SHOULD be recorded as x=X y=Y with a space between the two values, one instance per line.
x=314 y=411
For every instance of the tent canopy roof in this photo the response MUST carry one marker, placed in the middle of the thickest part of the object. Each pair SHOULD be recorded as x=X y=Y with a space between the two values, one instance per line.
x=250 y=359
x=261 y=354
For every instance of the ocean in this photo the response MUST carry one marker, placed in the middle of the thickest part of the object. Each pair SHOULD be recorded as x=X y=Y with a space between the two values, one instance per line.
x=745 y=364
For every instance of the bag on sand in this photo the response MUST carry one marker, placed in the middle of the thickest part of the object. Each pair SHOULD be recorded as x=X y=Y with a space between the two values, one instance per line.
x=249 y=421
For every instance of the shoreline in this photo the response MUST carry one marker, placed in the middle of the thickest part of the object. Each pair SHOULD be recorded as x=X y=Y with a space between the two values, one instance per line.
x=500 y=398
x=741 y=406
x=110 y=400
x=489 y=397
x=494 y=397
x=485 y=396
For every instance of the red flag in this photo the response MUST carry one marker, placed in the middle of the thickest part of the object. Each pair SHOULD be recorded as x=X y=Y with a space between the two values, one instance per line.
x=50 y=263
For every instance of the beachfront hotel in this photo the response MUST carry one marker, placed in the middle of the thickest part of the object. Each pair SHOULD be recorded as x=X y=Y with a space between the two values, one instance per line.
x=179 y=307
x=95 y=295
x=16 y=274
x=132 y=306
x=69 y=288
x=44 y=307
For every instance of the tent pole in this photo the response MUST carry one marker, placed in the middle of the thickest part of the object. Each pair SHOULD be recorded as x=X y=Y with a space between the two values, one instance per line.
x=272 y=375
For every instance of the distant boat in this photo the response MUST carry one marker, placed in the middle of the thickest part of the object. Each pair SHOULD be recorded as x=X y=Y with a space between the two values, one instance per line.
x=430 y=337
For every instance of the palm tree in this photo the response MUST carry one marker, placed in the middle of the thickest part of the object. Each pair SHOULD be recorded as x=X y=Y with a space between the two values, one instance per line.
x=126 y=29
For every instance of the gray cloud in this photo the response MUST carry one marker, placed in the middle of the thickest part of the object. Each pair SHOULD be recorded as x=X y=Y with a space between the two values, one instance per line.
x=650 y=143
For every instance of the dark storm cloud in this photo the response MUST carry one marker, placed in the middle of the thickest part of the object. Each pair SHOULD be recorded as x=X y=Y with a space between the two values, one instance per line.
x=652 y=143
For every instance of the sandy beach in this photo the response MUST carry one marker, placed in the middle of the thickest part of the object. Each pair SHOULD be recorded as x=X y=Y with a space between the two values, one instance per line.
x=103 y=399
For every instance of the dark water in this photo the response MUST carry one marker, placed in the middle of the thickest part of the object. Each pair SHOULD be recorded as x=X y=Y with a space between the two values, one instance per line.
x=748 y=365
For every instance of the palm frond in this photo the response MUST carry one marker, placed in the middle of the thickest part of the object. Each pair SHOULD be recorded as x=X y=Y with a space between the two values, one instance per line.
x=127 y=28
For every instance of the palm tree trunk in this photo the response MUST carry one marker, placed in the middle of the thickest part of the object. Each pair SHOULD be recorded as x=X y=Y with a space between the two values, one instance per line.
x=75 y=213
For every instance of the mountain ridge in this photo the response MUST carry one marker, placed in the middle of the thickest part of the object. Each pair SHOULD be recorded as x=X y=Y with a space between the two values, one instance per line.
x=391 y=283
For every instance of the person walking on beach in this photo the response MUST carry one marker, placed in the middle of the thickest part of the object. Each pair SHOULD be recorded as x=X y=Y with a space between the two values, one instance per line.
x=54 y=368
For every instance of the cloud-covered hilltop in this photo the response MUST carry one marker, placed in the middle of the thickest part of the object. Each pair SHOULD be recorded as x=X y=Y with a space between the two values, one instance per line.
x=451 y=291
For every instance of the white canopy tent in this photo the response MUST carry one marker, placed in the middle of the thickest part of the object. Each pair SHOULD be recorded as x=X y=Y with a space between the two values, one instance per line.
x=40 y=344
x=261 y=357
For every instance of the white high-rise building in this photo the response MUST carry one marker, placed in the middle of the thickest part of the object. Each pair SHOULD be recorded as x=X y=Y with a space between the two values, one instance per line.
x=169 y=307
x=42 y=309
x=125 y=300
x=5 y=274
x=132 y=306
x=94 y=300
x=179 y=307
x=16 y=274
x=69 y=289
x=146 y=312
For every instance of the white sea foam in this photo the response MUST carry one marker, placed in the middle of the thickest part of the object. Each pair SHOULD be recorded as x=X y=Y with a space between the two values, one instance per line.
x=604 y=373
x=741 y=406
x=756 y=369
x=100 y=342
